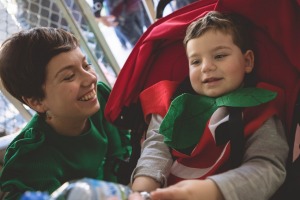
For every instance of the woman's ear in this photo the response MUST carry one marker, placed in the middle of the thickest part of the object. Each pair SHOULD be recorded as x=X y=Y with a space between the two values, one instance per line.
x=35 y=104
x=249 y=61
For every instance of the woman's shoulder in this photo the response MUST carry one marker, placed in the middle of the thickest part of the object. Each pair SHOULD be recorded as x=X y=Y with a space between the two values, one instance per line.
x=29 y=139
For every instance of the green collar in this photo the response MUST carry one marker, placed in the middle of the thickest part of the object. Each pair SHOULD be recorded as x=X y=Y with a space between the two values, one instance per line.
x=188 y=114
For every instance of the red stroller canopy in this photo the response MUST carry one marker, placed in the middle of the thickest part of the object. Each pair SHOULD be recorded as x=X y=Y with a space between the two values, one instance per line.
x=160 y=55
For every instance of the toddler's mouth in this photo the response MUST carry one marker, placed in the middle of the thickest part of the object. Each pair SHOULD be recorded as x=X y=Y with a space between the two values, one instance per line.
x=209 y=80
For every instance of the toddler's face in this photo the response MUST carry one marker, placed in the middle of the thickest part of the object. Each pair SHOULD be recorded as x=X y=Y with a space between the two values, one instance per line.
x=216 y=65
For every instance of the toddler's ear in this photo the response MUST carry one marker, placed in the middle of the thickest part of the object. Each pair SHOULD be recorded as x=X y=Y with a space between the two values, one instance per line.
x=249 y=61
x=35 y=104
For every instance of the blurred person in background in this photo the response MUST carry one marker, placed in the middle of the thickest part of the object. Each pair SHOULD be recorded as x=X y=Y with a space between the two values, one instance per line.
x=182 y=3
x=128 y=17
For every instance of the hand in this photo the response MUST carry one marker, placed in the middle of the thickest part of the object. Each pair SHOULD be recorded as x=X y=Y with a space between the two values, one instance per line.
x=189 y=190
x=144 y=183
x=139 y=196
x=108 y=21
x=135 y=196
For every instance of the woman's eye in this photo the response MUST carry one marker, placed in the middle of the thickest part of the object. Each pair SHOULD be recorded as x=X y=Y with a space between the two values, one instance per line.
x=87 y=66
x=68 y=78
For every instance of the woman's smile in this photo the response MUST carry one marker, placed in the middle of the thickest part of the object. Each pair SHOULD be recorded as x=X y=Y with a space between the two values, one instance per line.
x=89 y=96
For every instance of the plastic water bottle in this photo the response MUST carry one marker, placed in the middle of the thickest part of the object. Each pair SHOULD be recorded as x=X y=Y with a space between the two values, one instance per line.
x=83 y=189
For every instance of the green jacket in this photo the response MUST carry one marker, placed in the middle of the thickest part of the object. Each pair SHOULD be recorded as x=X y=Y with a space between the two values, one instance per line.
x=39 y=159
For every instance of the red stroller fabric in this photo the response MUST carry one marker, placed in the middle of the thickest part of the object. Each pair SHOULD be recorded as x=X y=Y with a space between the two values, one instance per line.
x=160 y=55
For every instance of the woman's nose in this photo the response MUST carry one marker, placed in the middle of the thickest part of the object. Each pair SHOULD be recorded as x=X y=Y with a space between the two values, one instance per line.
x=88 y=78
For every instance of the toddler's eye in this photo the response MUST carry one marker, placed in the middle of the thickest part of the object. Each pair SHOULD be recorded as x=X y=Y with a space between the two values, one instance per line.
x=219 y=56
x=195 y=62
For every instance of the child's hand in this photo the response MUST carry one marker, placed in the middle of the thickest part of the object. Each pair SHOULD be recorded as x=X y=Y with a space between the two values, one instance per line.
x=189 y=190
x=139 y=196
x=135 y=196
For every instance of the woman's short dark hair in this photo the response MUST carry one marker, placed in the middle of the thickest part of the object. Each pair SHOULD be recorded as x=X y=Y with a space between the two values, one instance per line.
x=25 y=55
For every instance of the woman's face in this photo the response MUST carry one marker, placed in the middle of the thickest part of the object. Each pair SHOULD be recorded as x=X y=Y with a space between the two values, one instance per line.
x=216 y=65
x=70 y=87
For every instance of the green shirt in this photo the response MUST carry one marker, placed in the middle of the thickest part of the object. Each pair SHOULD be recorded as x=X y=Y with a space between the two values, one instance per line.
x=39 y=159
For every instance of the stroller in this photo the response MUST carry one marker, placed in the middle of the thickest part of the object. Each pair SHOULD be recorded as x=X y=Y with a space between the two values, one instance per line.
x=160 y=55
